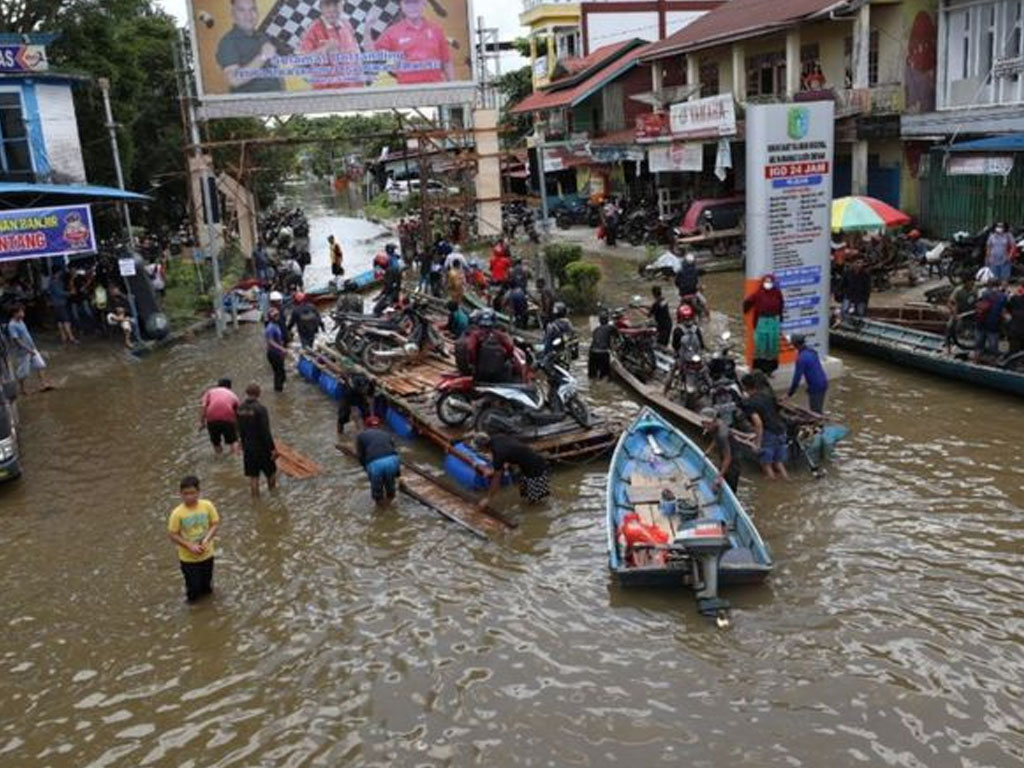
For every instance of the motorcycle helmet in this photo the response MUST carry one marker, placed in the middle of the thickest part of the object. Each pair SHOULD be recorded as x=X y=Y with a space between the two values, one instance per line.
x=380 y=260
x=984 y=276
x=276 y=296
x=299 y=297
x=560 y=309
x=487 y=319
x=684 y=313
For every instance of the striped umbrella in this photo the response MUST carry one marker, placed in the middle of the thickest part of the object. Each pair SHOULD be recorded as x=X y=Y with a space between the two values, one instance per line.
x=860 y=214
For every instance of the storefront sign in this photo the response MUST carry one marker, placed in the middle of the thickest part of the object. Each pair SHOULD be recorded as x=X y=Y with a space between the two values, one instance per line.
x=616 y=154
x=979 y=165
x=32 y=233
x=713 y=116
x=789 y=199
x=652 y=125
x=23 y=58
x=677 y=156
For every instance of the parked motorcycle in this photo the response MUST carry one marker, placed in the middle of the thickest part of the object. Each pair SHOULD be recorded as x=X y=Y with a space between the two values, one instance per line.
x=385 y=345
x=514 y=408
x=634 y=346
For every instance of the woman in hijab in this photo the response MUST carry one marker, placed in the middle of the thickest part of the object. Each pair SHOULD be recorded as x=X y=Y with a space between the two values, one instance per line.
x=767 y=304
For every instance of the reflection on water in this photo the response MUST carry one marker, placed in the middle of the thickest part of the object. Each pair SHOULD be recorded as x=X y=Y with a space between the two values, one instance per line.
x=890 y=634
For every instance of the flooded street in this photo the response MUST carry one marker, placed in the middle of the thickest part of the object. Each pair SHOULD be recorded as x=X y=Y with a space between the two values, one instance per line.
x=891 y=632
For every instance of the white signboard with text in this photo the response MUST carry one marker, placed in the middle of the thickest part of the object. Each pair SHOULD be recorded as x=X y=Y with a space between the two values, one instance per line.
x=677 y=156
x=789 y=202
x=713 y=116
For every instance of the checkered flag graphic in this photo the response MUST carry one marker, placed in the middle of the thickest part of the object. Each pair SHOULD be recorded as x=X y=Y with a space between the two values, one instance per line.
x=290 y=18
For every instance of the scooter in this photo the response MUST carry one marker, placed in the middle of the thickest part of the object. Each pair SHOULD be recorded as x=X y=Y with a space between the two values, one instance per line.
x=386 y=345
x=513 y=408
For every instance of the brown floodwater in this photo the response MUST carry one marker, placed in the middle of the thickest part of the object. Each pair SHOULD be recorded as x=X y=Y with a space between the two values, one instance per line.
x=891 y=632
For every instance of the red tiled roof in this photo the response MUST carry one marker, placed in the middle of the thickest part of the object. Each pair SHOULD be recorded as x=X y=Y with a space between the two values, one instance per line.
x=737 y=20
x=553 y=97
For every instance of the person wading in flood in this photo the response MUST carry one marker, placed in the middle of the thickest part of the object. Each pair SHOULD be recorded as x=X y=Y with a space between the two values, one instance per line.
x=768 y=425
x=258 y=451
x=192 y=526
x=808 y=366
x=506 y=451
x=728 y=464
x=217 y=414
x=275 y=348
x=379 y=457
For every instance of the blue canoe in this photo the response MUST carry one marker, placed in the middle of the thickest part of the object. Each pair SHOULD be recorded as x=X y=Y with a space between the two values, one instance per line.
x=653 y=455
x=922 y=350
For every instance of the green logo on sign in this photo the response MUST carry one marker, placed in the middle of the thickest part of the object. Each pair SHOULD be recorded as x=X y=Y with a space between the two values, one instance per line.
x=799 y=122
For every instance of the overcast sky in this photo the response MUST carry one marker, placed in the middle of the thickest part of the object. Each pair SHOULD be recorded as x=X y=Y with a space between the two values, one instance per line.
x=503 y=14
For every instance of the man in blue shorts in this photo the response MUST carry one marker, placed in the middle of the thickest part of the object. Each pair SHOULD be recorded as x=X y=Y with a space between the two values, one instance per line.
x=379 y=457
x=769 y=427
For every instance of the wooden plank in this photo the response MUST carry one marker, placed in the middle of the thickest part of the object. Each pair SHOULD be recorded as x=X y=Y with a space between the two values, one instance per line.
x=436 y=496
x=294 y=464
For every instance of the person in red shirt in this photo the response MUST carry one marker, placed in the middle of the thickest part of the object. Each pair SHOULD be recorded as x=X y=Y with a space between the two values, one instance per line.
x=332 y=37
x=217 y=414
x=500 y=263
x=426 y=56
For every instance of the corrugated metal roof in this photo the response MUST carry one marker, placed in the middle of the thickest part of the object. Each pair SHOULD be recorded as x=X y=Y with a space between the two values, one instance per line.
x=68 y=192
x=554 y=97
x=738 y=20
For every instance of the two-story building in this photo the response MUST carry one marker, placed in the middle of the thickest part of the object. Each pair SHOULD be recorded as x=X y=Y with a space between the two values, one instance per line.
x=563 y=30
x=585 y=119
x=974 y=171
x=871 y=58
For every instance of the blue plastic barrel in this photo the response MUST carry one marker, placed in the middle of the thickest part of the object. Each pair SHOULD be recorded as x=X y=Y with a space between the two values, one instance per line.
x=399 y=423
x=463 y=473
x=329 y=386
x=307 y=370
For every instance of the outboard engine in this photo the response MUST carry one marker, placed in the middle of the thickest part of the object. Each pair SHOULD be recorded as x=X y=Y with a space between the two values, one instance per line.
x=704 y=540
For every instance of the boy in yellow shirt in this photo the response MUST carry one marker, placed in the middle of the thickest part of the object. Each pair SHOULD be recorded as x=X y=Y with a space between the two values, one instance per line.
x=192 y=526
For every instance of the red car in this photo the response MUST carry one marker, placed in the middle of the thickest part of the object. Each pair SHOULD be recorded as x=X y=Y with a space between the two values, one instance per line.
x=712 y=214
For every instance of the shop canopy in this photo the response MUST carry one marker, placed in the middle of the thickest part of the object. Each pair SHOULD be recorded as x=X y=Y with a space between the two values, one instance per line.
x=1011 y=142
x=24 y=195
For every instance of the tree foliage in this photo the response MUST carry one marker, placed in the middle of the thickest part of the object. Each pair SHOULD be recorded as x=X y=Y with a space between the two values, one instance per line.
x=515 y=86
x=20 y=16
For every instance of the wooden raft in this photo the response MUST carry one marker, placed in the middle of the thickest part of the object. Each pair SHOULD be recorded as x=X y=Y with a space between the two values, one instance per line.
x=449 y=502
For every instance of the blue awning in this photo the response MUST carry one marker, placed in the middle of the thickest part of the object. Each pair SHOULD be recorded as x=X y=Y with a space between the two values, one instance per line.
x=14 y=193
x=1011 y=142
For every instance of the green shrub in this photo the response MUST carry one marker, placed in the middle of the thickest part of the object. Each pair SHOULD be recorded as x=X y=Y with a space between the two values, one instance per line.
x=558 y=255
x=580 y=288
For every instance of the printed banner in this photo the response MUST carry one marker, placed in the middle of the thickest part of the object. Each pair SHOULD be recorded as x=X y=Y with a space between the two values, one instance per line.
x=677 y=156
x=32 y=233
x=23 y=58
x=262 y=47
x=979 y=165
x=704 y=118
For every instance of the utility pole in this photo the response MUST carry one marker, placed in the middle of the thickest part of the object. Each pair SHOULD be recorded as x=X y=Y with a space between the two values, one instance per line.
x=104 y=84
x=187 y=94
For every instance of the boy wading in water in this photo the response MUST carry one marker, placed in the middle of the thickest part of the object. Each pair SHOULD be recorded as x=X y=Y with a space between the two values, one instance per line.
x=192 y=526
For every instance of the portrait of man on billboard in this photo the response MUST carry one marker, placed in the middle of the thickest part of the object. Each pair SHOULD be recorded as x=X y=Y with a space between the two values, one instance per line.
x=332 y=37
x=423 y=52
x=245 y=51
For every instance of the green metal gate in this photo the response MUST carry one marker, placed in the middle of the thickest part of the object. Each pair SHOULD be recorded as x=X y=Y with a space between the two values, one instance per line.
x=954 y=203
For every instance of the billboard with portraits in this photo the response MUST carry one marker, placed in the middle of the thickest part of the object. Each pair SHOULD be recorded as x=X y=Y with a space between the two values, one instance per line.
x=273 y=49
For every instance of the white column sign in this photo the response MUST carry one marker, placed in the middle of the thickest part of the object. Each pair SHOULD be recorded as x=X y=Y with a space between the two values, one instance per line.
x=789 y=202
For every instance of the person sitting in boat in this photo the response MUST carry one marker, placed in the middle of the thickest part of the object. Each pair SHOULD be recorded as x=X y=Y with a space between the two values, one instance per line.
x=988 y=319
x=379 y=457
x=808 y=366
x=490 y=351
x=506 y=452
x=960 y=304
x=767 y=306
